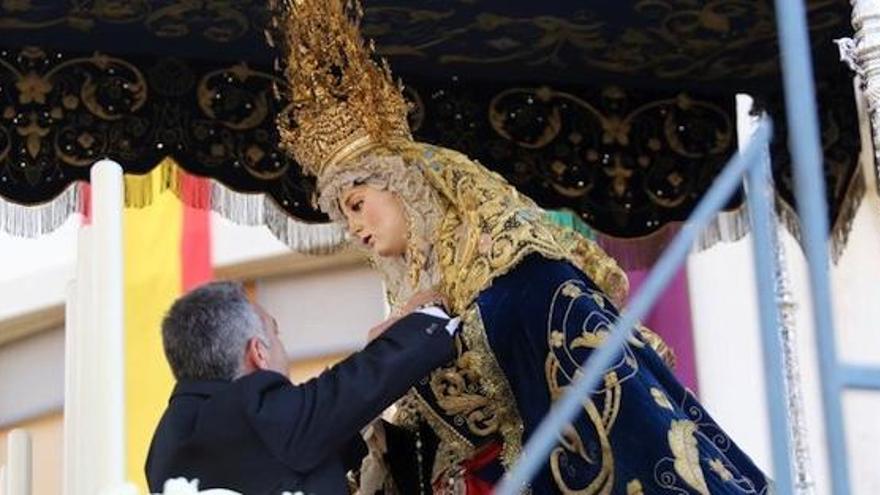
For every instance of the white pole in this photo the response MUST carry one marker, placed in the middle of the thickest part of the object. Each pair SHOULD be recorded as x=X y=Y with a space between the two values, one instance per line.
x=72 y=376
x=746 y=123
x=105 y=336
x=866 y=159
x=80 y=372
x=18 y=463
x=866 y=20
x=862 y=53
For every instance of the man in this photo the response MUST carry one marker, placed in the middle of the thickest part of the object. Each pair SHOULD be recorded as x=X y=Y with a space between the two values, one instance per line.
x=235 y=420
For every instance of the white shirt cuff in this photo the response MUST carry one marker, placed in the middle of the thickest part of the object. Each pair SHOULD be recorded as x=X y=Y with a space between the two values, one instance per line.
x=437 y=312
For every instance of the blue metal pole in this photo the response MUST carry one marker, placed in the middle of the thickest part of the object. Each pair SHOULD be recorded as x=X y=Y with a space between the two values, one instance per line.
x=536 y=450
x=803 y=133
x=760 y=198
x=860 y=377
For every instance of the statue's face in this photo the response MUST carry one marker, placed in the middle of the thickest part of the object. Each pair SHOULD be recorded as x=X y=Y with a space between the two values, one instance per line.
x=376 y=218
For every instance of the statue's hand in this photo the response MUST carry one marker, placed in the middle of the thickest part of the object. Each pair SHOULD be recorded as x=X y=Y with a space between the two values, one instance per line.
x=428 y=297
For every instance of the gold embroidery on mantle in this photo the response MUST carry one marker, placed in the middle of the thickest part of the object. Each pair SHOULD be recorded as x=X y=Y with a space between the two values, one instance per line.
x=634 y=487
x=717 y=465
x=572 y=443
x=483 y=227
x=683 y=445
x=453 y=446
x=474 y=394
x=601 y=321
x=657 y=343
x=454 y=389
x=564 y=336
x=661 y=399
x=487 y=207
x=494 y=384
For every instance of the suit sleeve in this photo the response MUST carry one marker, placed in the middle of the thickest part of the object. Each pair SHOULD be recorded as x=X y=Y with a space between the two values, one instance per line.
x=303 y=424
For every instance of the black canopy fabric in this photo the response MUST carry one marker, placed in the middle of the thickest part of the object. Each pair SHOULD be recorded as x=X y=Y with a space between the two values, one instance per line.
x=650 y=43
x=620 y=112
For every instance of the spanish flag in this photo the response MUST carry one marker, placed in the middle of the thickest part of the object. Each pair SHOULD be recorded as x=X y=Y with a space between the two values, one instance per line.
x=167 y=252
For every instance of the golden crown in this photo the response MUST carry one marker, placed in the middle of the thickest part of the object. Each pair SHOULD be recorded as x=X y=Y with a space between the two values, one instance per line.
x=344 y=103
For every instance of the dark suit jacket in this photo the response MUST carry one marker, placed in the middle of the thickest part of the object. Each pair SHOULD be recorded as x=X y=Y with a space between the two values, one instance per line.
x=261 y=434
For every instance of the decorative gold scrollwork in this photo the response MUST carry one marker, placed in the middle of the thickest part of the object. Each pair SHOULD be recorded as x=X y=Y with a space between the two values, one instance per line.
x=665 y=39
x=568 y=342
x=59 y=114
x=219 y=22
x=58 y=99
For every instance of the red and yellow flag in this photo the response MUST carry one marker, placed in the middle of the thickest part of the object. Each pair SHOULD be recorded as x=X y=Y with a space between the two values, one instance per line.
x=167 y=252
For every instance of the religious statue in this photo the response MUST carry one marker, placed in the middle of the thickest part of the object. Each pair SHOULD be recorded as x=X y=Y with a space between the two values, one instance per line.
x=535 y=299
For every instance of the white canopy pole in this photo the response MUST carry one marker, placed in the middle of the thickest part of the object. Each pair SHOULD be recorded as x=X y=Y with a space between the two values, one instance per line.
x=862 y=52
x=18 y=463
x=78 y=368
x=101 y=435
x=72 y=374
x=746 y=123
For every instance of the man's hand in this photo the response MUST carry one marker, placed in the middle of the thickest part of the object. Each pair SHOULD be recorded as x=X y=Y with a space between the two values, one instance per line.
x=419 y=299
x=380 y=328
x=424 y=298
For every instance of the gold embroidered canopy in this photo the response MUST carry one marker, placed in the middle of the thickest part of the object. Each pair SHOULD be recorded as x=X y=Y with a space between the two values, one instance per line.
x=619 y=113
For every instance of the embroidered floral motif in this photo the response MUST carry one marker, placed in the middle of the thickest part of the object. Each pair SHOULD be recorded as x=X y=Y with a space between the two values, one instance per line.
x=571 y=290
x=661 y=399
x=717 y=465
x=634 y=487
x=683 y=445
x=470 y=402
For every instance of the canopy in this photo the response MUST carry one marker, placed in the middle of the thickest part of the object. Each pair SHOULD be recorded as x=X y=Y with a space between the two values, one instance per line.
x=621 y=112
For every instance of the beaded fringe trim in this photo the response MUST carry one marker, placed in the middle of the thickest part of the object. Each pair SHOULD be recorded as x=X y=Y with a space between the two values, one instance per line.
x=730 y=226
x=258 y=209
x=140 y=190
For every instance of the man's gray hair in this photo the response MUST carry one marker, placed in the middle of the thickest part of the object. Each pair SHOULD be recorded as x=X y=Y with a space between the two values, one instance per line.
x=205 y=333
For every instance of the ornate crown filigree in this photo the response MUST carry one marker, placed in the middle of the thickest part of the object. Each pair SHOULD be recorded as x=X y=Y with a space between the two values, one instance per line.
x=343 y=101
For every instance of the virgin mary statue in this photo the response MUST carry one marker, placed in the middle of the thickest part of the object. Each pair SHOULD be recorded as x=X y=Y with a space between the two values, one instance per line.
x=535 y=299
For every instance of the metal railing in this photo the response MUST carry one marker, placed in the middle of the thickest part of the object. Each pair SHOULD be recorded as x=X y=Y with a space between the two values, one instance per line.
x=810 y=191
x=545 y=437
x=801 y=115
